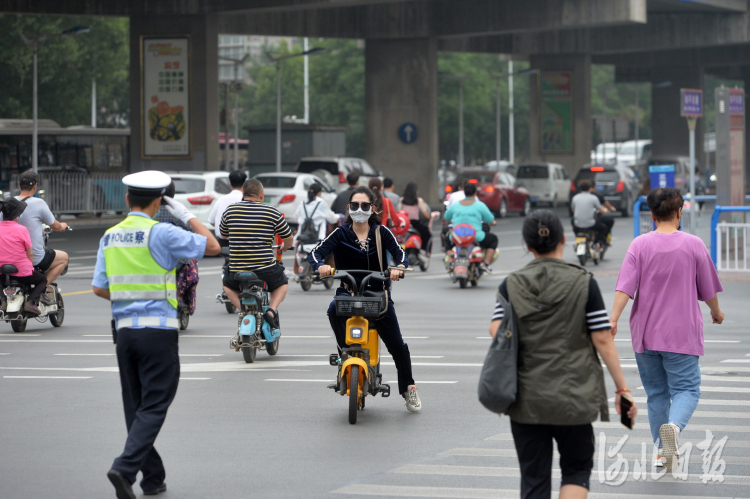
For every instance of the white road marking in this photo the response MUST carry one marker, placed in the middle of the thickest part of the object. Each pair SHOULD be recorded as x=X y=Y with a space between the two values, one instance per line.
x=416 y=337
x=181 y=379
x=430 y=382
x=98 y=335
x=301 y=380
x=703 y=401
x=740 y=379
x=720 y=389
x=201 y=355
x=55 y=341
x=18 y=334
x=721 y=341
x=89 y=257
x=4 y=354
x=436 y=364
x=86 y=354
x=736 y=361
x=47 y=377
x=508 y=437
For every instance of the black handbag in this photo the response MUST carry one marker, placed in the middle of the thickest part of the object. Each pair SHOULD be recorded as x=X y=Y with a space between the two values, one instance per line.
x=498 y=382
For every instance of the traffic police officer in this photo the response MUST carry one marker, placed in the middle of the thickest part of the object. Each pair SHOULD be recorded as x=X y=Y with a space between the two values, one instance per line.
x=135 y=270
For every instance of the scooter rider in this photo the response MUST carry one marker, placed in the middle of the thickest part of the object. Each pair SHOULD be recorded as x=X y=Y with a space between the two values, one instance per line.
x=585 y=206
x=135 y=270
x=49 y=261
x=16 y=250
x=354 y=247
x=472 y=211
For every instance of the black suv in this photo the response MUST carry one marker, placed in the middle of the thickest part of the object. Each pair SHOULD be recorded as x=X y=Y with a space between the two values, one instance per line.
x=618 y=185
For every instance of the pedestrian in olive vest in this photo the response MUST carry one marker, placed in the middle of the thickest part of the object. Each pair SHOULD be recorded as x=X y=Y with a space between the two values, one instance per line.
x=562 y=324
x=135 y=270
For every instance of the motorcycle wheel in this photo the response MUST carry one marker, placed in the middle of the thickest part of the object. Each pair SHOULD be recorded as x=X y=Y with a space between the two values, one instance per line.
x=328 y=283
x=353 y=395
x=474 y=283
x=19 y=326
x=248 y=353
x=57 y=318
x=462 y=282
x=184 y=317
x=502 y=211
x=582 y=260
x=273 y=348
x=306 y=284
x=231 y=309
x=595 y=260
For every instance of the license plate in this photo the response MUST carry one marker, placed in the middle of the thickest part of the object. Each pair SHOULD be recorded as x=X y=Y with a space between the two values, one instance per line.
x=534 y=199
x=580 y=240
x=599 y=187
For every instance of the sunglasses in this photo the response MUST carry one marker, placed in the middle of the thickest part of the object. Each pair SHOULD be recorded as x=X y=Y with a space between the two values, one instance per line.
x=354 y=206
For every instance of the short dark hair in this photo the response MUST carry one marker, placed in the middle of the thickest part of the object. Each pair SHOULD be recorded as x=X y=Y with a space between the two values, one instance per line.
x=387 y=182
x=584 y=185
x=470 y=189
x=542 y=231
x=237 y=179
x=352 y=178
x=664 y=203
x=170 y=190
x=252 y=188
x=141 y=201
x=27 y=180
x=375 y=217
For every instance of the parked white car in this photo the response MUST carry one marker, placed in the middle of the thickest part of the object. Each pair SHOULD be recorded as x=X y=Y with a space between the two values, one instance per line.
x=286 y=190
x=198 y=191
x=333 y=171
x=546 y=183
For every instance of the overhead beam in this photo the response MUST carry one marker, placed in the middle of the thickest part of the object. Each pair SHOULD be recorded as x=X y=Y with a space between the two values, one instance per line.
x=663 y=32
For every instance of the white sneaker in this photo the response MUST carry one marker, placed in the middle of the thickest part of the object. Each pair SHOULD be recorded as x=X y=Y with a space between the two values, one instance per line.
x=659 y=459
x=668 y=435
x=413 y=404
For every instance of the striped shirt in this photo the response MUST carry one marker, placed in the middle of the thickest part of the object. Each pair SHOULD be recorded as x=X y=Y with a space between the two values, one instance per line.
x=596 y=313
x=251 y=227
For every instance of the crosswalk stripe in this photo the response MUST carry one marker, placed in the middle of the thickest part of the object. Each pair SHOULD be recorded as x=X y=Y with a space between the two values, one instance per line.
x=642 y=424
x=507 y=437
x=511 y=453
x=364 y=489
x=515 y=472
x=703 y=401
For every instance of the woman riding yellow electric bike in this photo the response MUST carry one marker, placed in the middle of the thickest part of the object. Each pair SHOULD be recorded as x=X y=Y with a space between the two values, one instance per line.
x=354 y=246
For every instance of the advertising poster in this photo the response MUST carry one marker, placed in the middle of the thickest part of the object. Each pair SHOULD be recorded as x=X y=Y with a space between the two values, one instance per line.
x=556 y=111
x=165 y=94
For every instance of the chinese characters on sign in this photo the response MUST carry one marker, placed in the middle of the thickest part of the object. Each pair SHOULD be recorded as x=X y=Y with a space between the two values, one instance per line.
x=165 y=110
x=691 y=103
x=556 y=111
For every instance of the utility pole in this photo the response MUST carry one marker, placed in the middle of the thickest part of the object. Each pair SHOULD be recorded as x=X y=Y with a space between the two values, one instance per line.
x=93 y=103
x=306 y=75
x=511 y=125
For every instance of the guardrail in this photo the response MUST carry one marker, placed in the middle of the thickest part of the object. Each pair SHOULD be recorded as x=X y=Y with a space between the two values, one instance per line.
x=74 y=193
x=716 y=243
x=643 y=223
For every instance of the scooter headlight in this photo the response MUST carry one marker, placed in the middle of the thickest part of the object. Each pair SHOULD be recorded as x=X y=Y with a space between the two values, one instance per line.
x=356 y=333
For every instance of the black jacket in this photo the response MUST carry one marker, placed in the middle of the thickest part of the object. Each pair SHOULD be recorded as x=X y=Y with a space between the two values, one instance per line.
x=339 y=204
x=350 y=255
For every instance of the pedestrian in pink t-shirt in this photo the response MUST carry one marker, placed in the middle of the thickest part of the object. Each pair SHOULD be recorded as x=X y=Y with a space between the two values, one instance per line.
x=668 y=272
x=15 y=249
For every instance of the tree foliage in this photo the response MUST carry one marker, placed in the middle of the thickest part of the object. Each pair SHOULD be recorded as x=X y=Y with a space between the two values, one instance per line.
x=66 y=67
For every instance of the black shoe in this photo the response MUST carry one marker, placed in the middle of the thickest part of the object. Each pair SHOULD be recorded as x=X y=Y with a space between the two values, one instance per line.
x=272 y=320
x=158 y=490
x=123 y=488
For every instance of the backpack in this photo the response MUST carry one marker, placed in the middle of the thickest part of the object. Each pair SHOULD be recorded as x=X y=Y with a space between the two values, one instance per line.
x=308 y=233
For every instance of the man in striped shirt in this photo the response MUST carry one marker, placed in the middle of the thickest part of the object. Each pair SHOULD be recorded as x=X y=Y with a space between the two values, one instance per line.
x=251 y=227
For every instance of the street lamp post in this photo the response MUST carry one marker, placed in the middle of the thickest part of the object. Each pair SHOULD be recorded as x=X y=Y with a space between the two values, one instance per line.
x=498 y=79
x=78 y=30
x=236 y=87
x=278 y=60
x=460 y=79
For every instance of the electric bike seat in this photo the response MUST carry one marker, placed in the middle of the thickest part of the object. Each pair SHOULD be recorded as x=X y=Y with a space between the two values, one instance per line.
x=249 y=279
x=8 y=269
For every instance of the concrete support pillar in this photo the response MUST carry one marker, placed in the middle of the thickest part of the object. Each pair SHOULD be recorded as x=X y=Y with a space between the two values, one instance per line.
x=204 y=93
x=580 y=67
x=400 y=88
x=669 y=130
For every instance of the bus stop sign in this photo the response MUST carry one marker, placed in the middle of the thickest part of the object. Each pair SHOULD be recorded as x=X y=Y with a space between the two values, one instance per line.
x=691 y=103
x=661 y=176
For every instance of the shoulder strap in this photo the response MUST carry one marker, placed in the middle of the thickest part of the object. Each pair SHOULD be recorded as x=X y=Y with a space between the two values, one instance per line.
x=379 y=246
x=313 y=212
x=305 y=209
x=24 y=199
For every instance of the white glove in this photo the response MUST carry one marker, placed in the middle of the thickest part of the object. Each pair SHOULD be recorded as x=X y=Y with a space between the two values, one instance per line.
x=178 y=210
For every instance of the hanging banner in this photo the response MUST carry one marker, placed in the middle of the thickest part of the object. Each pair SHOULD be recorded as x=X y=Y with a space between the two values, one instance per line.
x=556 y=98
x=165 y=97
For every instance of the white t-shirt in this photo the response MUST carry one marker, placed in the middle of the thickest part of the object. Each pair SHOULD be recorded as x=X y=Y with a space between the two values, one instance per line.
x=321 y=215
x=36 y=213
x=221 y=205
x=455 y=197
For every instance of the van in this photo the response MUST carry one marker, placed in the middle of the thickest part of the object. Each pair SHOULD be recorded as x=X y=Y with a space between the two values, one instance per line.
x=546 y=183
x=333 y=170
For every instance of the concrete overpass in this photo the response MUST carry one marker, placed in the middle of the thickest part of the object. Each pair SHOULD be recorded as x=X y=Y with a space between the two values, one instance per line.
x=647 y=40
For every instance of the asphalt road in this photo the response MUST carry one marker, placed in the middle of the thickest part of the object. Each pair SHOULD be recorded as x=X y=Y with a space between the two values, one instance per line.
x=272 y=430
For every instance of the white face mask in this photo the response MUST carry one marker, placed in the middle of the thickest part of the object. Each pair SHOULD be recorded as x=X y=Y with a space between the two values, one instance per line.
x=360 y=216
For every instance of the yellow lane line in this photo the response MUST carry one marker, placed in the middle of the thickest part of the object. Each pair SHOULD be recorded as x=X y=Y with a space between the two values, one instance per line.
x=78 y=292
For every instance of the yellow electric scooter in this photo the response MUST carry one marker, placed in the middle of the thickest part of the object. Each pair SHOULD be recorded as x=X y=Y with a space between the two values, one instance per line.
x=359 y=363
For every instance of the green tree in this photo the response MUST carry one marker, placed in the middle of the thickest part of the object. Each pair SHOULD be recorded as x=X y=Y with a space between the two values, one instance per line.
x=66 y=67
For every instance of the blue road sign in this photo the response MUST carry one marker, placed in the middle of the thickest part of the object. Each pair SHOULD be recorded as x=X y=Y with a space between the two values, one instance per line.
x=661 y=176
x=408 y=133
x=691 y=102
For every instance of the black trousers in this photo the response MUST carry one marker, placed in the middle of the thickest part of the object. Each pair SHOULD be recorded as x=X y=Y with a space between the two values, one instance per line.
x=489 y=242
x=149 y=373
x=390 y=332
x=534 y=449
x=600 y=228
x=38 y=280
x=424 y=232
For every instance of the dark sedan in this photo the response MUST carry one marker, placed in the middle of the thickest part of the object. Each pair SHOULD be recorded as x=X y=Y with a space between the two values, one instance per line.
x=618 y=185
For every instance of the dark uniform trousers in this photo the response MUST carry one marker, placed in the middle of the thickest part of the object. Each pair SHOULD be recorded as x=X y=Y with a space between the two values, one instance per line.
x=390 y=332
x=149 y=373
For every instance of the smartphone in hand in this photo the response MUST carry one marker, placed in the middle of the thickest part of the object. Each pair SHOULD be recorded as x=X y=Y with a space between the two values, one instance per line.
x=625 y=406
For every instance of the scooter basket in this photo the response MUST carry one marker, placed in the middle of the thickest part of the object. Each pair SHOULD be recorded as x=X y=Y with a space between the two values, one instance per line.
x=349 y=306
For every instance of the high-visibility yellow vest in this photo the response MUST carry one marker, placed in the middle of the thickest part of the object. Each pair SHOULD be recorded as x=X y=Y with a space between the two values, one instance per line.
x=132 y=272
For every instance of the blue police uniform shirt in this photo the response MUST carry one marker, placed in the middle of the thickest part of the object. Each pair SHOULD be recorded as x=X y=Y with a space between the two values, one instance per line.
x=168 y=244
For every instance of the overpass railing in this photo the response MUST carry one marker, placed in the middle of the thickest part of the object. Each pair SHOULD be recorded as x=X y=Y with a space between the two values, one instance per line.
x=74 y=192
x=729 y=242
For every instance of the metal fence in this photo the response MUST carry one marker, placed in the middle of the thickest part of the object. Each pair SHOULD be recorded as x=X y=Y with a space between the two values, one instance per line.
x=74 y=193
x=732 y=247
